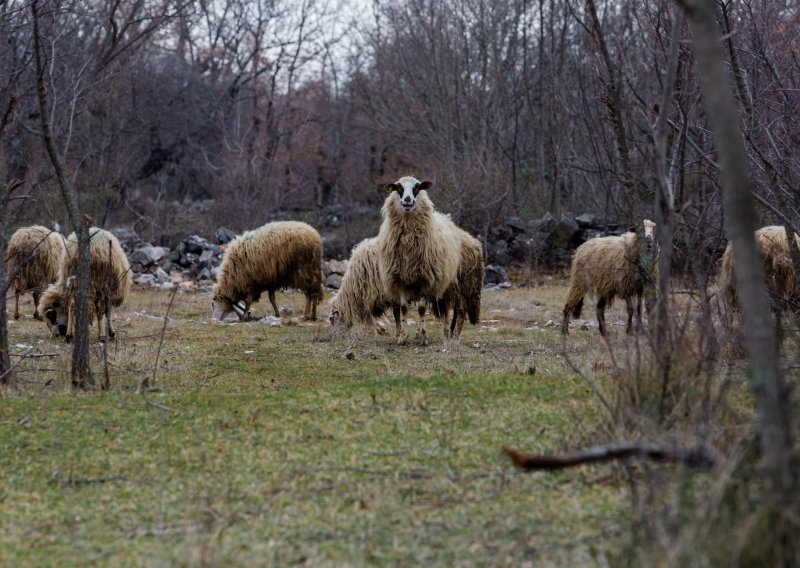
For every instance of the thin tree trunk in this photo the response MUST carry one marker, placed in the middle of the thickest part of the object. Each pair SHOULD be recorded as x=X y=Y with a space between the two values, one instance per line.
x=664 y=209
x=770 y=391
x=81 y=372
x=5 y=193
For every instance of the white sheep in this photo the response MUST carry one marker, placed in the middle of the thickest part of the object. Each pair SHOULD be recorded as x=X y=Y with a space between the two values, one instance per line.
x=776 y=262
x=361 y=296
x=34 y=260
x=605 y=267
x=418 y=255
x=277 y=255
x=107 y=283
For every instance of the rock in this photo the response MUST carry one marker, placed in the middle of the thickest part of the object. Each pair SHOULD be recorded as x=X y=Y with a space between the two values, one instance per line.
x=285 y=311
x=144 y=280
x=224 y=235
x=128 y=238
x=148 y=255
x=195 y=244
x=494 y=275
x=204 y=274
x=516 y=225
x=188 y=259
x=271 y=321
x=563 y=232
x=161 y=276
x=499 y=253
x=590 y=221
x=333 y=281
x=206 y=257
x=337 y=266
x=335 y=247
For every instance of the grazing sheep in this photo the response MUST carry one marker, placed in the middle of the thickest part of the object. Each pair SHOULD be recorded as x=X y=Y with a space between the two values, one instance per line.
x=109 y=282
x=776 y=261
x=277 y=255
x=418 y=254
x=605 y=267
x=464 y=294
x=361 y=297
x=34 y=260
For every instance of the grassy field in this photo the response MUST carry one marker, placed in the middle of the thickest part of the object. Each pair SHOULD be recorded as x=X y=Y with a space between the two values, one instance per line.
x=280 y=445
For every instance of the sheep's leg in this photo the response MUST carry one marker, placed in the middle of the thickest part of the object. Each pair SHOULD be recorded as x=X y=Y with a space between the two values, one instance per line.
x=16 y=304
x=462 y=317
x=397 y=323
x=274 y=303
x=421 y=335
x=639 y=312
x=70 y=323
x=314 y=310
x=36 y=297
x=401 y=336
x=453 y=323
x=565 y=321
x=601 y=315
x=307 y=309
x=629 y=307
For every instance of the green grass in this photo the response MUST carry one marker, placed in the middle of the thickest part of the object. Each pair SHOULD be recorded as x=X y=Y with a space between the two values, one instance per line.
x=279 y=445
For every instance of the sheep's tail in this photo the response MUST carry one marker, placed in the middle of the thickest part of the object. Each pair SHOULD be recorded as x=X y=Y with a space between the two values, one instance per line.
x=575 y=296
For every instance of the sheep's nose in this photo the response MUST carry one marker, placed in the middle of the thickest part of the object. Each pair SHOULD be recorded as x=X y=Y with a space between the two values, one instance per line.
x=406 y=200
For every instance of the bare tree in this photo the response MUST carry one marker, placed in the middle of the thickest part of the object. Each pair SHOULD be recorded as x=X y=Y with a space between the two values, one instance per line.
x=770 y=391
x=81 y=371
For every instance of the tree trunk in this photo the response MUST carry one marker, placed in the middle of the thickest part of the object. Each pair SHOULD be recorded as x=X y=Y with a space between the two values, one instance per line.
x=770 y=391
x=81 y=372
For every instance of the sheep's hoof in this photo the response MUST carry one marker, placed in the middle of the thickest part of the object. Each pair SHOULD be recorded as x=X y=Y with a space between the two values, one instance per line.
x=422 y=338
x=36 y=316
x=402 y=339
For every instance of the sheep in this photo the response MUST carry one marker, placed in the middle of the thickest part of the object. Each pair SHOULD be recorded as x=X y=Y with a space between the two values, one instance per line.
x=361 y=297
x=34 y=260
x=277 y=255
x=110 y=282
x=418 y=255
x=776 y=261
x=605 y=267
x=464 y=293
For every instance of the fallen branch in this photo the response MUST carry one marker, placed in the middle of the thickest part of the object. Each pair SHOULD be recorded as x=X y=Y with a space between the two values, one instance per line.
x=696 y=457
x=77 y=482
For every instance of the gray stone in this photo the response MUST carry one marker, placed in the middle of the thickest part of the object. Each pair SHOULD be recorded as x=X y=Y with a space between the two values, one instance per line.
x=206 y=257
x=499 y=253
x=516 y=225
x=161 y=276
x=333 y=281
x=148 y=255
x=195 y=244
x=224 y=235
x=589 y=221
x=337 y=266
x=335 y=247
x=144 y=280
x=494 y=275
x=204 y=274
x=128 y=238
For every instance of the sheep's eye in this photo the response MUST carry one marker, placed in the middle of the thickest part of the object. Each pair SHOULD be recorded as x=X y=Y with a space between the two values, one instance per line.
x=416 y=189
x=51 y=316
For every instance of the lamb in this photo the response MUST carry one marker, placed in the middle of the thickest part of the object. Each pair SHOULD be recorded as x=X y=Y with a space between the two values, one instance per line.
x=418 y=255
x=776 y=261
x=277 y=255
x=361 y=297
x=605 y=267
x=109 y=282
x=34 y=260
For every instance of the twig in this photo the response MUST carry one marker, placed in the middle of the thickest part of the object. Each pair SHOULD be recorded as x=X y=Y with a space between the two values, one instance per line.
x=161 y=339
x=22 y=357
x=696 y=457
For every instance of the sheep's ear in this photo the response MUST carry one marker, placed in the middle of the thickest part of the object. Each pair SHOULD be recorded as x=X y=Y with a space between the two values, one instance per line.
x=390 y=187
x=425 y=185
x=632 y=229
